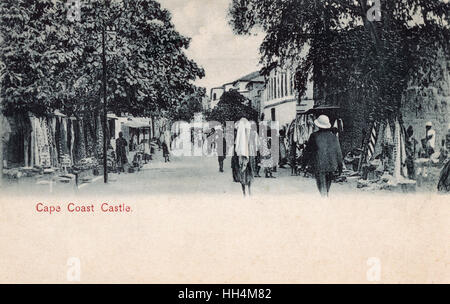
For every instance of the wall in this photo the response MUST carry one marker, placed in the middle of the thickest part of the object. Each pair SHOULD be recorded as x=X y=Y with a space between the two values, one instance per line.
x=420 y=105
x=218 y=92
x=284 y=113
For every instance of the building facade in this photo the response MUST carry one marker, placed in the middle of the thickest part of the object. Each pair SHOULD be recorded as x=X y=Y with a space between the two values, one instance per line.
x=280 y=101
x=250 y=86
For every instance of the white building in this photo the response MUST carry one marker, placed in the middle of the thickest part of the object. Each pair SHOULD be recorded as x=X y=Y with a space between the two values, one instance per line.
x=249 y=86
x=280 y=100
x=215 y=95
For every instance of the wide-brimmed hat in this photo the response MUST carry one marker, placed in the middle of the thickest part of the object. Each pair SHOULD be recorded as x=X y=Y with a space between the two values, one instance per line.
x=323 y=122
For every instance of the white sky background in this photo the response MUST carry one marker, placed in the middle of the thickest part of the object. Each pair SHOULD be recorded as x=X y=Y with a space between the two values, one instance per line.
x=224 y=55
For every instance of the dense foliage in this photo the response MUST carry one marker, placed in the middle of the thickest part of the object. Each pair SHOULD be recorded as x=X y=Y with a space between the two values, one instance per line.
x=190 y=104
x=232 y=106
x=54 y=62
x=343 y=49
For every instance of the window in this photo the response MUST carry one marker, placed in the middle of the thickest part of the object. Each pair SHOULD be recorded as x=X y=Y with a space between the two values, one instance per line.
x=274 y=88
x=292 y=83
x=214 y=96
x=282 y=85
x=272 y=114
x=285 y=85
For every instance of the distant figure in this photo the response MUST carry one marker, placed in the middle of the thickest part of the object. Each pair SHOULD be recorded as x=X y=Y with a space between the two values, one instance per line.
x=324 y=154
x=243 y=172
x=166 y=146
x=222 y=157
x=254 y=144
x=283 y=151
x=266 y=157
x=430 y=139
x=410 y=146
x=121 y=151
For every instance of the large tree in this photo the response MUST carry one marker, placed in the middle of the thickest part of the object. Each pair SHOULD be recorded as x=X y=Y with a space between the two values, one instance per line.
x=346 y=50
x=52 y=61
x=190 y=104
x=232 y=106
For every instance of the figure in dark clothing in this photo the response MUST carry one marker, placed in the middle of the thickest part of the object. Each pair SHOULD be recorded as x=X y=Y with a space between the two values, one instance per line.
x=121 y=151
x=323 y=152
x=222 y=157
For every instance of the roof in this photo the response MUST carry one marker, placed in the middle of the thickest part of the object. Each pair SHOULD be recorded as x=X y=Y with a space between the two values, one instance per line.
x=249 y=77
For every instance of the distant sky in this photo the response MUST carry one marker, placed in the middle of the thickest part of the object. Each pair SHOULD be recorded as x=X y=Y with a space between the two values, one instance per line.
x=224 y=55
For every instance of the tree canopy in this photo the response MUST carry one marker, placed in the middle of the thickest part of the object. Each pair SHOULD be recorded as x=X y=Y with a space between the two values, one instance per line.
x=344 y=50
x=54 y=62
x=189 y=105
x=232 y=106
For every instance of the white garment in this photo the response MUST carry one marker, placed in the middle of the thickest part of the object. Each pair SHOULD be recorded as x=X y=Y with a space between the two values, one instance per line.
x=243 y=137
x=432 y=140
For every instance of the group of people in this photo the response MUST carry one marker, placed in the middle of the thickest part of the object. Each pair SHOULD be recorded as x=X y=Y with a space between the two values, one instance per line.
x=251 y=153
x=119 y=156
x=426 y=149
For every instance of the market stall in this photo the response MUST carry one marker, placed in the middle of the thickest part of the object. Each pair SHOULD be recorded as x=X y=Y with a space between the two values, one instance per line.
x=300 y=129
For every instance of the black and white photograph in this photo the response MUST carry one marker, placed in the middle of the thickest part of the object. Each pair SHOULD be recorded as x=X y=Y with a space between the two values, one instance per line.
x=224 y=142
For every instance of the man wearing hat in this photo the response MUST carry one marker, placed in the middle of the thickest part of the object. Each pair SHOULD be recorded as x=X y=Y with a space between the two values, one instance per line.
x=324 y=155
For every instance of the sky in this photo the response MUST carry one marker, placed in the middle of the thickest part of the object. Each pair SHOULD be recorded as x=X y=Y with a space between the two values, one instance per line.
x=224 y=55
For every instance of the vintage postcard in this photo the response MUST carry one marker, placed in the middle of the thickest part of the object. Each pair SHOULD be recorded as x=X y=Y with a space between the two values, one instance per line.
x=224 y=141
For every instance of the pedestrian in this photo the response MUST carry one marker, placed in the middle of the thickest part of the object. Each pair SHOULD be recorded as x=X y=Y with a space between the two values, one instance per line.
x=254 y=144
x=121 y=152
x=324 y=154
x=221 y=156
x=242 y=149
x=166 y=146
x=283 y=151
x=266 y=157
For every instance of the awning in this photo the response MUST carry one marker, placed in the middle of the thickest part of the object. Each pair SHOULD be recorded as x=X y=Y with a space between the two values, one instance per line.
x=111 y=116
x=136 y=124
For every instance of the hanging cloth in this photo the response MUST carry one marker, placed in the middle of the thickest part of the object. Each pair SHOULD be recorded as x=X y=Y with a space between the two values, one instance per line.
x=397 y=152
x=404 y=169
x=242 y=137
x=372 y=141
x=45 y=149
x=388 y=134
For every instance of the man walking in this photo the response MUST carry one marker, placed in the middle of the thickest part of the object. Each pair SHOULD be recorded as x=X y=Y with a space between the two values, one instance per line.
x=223 y=148
x=323 y=152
